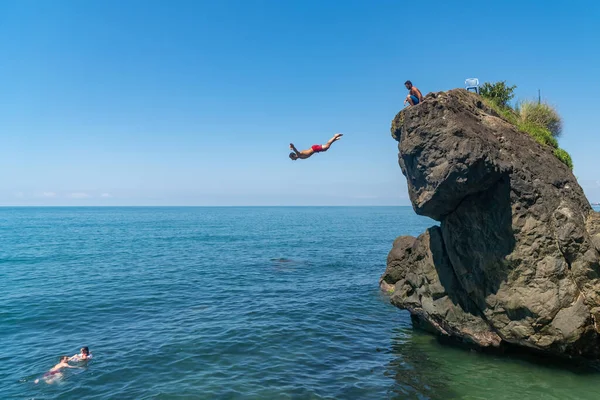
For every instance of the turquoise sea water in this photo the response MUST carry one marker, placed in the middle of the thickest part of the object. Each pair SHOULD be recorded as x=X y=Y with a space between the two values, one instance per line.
x=228 y=303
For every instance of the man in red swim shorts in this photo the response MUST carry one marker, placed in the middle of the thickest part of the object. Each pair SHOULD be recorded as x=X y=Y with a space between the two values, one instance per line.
x=317 y=148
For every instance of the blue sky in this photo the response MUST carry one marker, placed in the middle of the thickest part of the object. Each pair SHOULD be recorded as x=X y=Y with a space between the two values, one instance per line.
x=196 y=102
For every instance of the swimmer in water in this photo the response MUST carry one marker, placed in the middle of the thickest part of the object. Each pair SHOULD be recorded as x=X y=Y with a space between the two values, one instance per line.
x=84 y=355
x=55 y=372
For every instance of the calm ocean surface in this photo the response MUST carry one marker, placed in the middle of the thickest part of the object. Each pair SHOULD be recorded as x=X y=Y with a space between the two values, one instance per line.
x=232 y=303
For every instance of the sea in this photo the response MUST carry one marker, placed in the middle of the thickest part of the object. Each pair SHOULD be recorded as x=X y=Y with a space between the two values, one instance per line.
x=233 y=303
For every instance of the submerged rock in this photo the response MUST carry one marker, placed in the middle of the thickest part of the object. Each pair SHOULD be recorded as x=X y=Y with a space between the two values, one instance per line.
x=516 y=256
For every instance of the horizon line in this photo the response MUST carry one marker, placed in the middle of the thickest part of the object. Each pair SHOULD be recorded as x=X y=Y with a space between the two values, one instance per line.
x=198 y=206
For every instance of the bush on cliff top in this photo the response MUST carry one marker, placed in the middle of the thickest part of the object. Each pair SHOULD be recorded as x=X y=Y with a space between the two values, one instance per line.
x=540 y=121
x=541 y=114
x=498 y=92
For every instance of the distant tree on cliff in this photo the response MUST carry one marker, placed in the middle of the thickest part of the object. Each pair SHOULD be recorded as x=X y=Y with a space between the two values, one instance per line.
x=498 y=92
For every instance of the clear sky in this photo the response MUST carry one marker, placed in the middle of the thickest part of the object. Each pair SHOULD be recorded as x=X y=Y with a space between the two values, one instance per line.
x=196 y=102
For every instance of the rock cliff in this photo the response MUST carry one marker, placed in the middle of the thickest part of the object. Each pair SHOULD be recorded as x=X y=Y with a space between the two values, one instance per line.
x=516 y=257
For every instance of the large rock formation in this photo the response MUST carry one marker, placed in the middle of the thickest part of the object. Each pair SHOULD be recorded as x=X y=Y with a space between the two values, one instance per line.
x=516 y=256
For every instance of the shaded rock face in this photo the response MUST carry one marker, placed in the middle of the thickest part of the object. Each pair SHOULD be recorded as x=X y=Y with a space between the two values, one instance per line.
x=516 y=256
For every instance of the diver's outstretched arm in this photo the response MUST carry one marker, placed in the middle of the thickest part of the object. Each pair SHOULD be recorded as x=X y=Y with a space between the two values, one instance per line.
x=294 y=149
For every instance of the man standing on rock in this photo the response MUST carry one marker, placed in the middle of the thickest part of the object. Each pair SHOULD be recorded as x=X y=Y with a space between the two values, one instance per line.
x=414 y=95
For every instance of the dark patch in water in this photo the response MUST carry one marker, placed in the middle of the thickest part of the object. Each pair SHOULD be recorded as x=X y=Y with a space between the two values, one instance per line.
x=282 y=260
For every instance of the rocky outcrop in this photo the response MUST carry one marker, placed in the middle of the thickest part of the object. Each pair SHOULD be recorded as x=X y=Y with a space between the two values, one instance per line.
x=516 y=256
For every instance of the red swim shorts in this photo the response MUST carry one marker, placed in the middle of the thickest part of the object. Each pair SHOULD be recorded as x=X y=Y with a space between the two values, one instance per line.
x=317 y=148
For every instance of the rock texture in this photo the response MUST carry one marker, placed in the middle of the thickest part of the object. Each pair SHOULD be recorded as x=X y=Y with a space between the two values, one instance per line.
x=516 y=256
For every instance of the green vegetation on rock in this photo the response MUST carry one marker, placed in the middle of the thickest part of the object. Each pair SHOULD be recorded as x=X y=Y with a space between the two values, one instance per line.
x=539 y=120
x=540 y=134
x=563 y=156
x=499 y=92
x=541 y=114
x=505 y=113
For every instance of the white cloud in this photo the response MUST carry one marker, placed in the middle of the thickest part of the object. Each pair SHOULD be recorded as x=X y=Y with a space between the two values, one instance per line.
x=19 y=195
x=106 y=195
x=49 y=194
x=79 y=195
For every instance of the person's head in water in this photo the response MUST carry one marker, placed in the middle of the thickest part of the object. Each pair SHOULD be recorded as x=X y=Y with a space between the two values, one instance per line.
x=293 y=156
x=63 y=359
x=85 y=351
x=408 y=84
